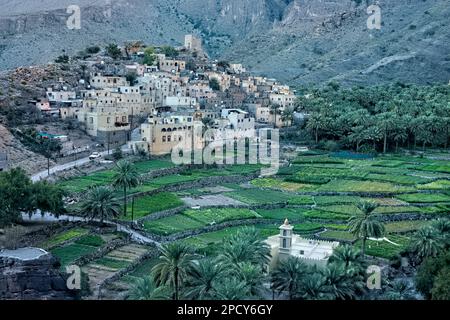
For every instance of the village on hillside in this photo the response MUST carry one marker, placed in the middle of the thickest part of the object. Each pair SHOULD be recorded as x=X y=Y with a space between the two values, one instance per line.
x=152 y=97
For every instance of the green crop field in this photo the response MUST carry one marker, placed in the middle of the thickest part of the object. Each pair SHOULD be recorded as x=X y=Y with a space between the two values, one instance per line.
x=363 y=186
x=318 y=193
x=64 y=236
x=385 y=249
x=279 y=184
x=424 y=197
x=69 y=253
x=147 y=205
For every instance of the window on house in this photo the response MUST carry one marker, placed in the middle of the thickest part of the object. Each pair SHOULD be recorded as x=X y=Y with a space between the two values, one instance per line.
x=284 y=243
x=164 y=139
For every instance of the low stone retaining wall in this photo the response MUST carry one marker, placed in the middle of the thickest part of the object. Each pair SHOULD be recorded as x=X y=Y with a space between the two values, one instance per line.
x=201 y=183
x=152 y=253
x=163 y=214
x=102 y=251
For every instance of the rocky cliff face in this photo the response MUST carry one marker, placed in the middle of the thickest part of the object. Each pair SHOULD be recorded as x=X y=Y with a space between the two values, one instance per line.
x=37 y=279
x=299 y=41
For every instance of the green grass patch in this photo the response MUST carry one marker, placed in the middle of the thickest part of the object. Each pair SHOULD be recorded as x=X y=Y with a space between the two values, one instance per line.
x=282 y=214
x=171 y=225
x=405 y=226
x=211 y=216
x=436 y=185
x=152 y=165
x=424 y=197
x=258 y=196
x=279 y=184
x=338 y=235
x=147 y=205
x=91 y=240
x=65 y=236
x=385 y=249
x=363 y=186
x=69 y=253
x=398 y=179
x=112 y=263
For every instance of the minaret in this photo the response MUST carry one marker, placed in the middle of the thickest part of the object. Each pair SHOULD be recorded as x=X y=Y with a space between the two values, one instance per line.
x=285 y=239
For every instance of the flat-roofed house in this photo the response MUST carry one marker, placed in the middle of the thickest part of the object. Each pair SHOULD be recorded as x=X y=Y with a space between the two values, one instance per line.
x=287 y=244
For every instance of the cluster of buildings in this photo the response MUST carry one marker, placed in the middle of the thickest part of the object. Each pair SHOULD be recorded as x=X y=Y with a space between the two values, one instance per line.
x=162 y=102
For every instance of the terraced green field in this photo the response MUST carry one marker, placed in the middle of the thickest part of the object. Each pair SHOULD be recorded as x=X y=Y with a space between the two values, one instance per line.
x=193 y=219
x=318 y=193
x=146 y=205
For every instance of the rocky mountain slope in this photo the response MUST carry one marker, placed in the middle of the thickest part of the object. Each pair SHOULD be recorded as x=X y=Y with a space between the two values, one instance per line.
x=299 y=41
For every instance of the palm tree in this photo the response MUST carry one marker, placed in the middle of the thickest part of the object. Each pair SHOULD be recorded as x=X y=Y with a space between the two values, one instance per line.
x=175 y=263
x=245 y=246
x=287 y=115
x=385 y=122
x=275 y=110
x=146 y=289
x=350 y=257
x=252 y=275
x=314 y=287
x=287 y=276
x=340 y=284
x=316 y=122
x=442 y=226
x=100 y=203
x=231 y=289
x=125 y=177
x=202 y=277
x=399 y=290
x=427 y=243
x=366 y=225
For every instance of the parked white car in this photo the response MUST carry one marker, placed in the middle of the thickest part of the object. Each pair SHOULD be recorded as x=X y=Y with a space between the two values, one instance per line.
x=94 y=156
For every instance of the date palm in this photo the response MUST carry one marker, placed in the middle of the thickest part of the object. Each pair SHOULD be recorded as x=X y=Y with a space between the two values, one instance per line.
x=400 y=290
x=275 y=109
x=100 y=203
x=174 y=265
x=252 y=275
x=231 y=289
x=125 y=177
x=426 y=242
x=287 y=115
x=288 y=275
x=314 y=287
x=146 y=289
x=340 y=285
x=350 y=257
x=202 y=277
x=245 y=246
x=366 y=225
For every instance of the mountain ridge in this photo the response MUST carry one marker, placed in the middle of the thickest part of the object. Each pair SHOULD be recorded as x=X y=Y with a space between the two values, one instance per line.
x=302 y=42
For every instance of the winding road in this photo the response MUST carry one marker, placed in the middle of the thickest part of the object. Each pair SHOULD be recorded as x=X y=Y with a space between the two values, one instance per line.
x=69 y=165
x=49 y=218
